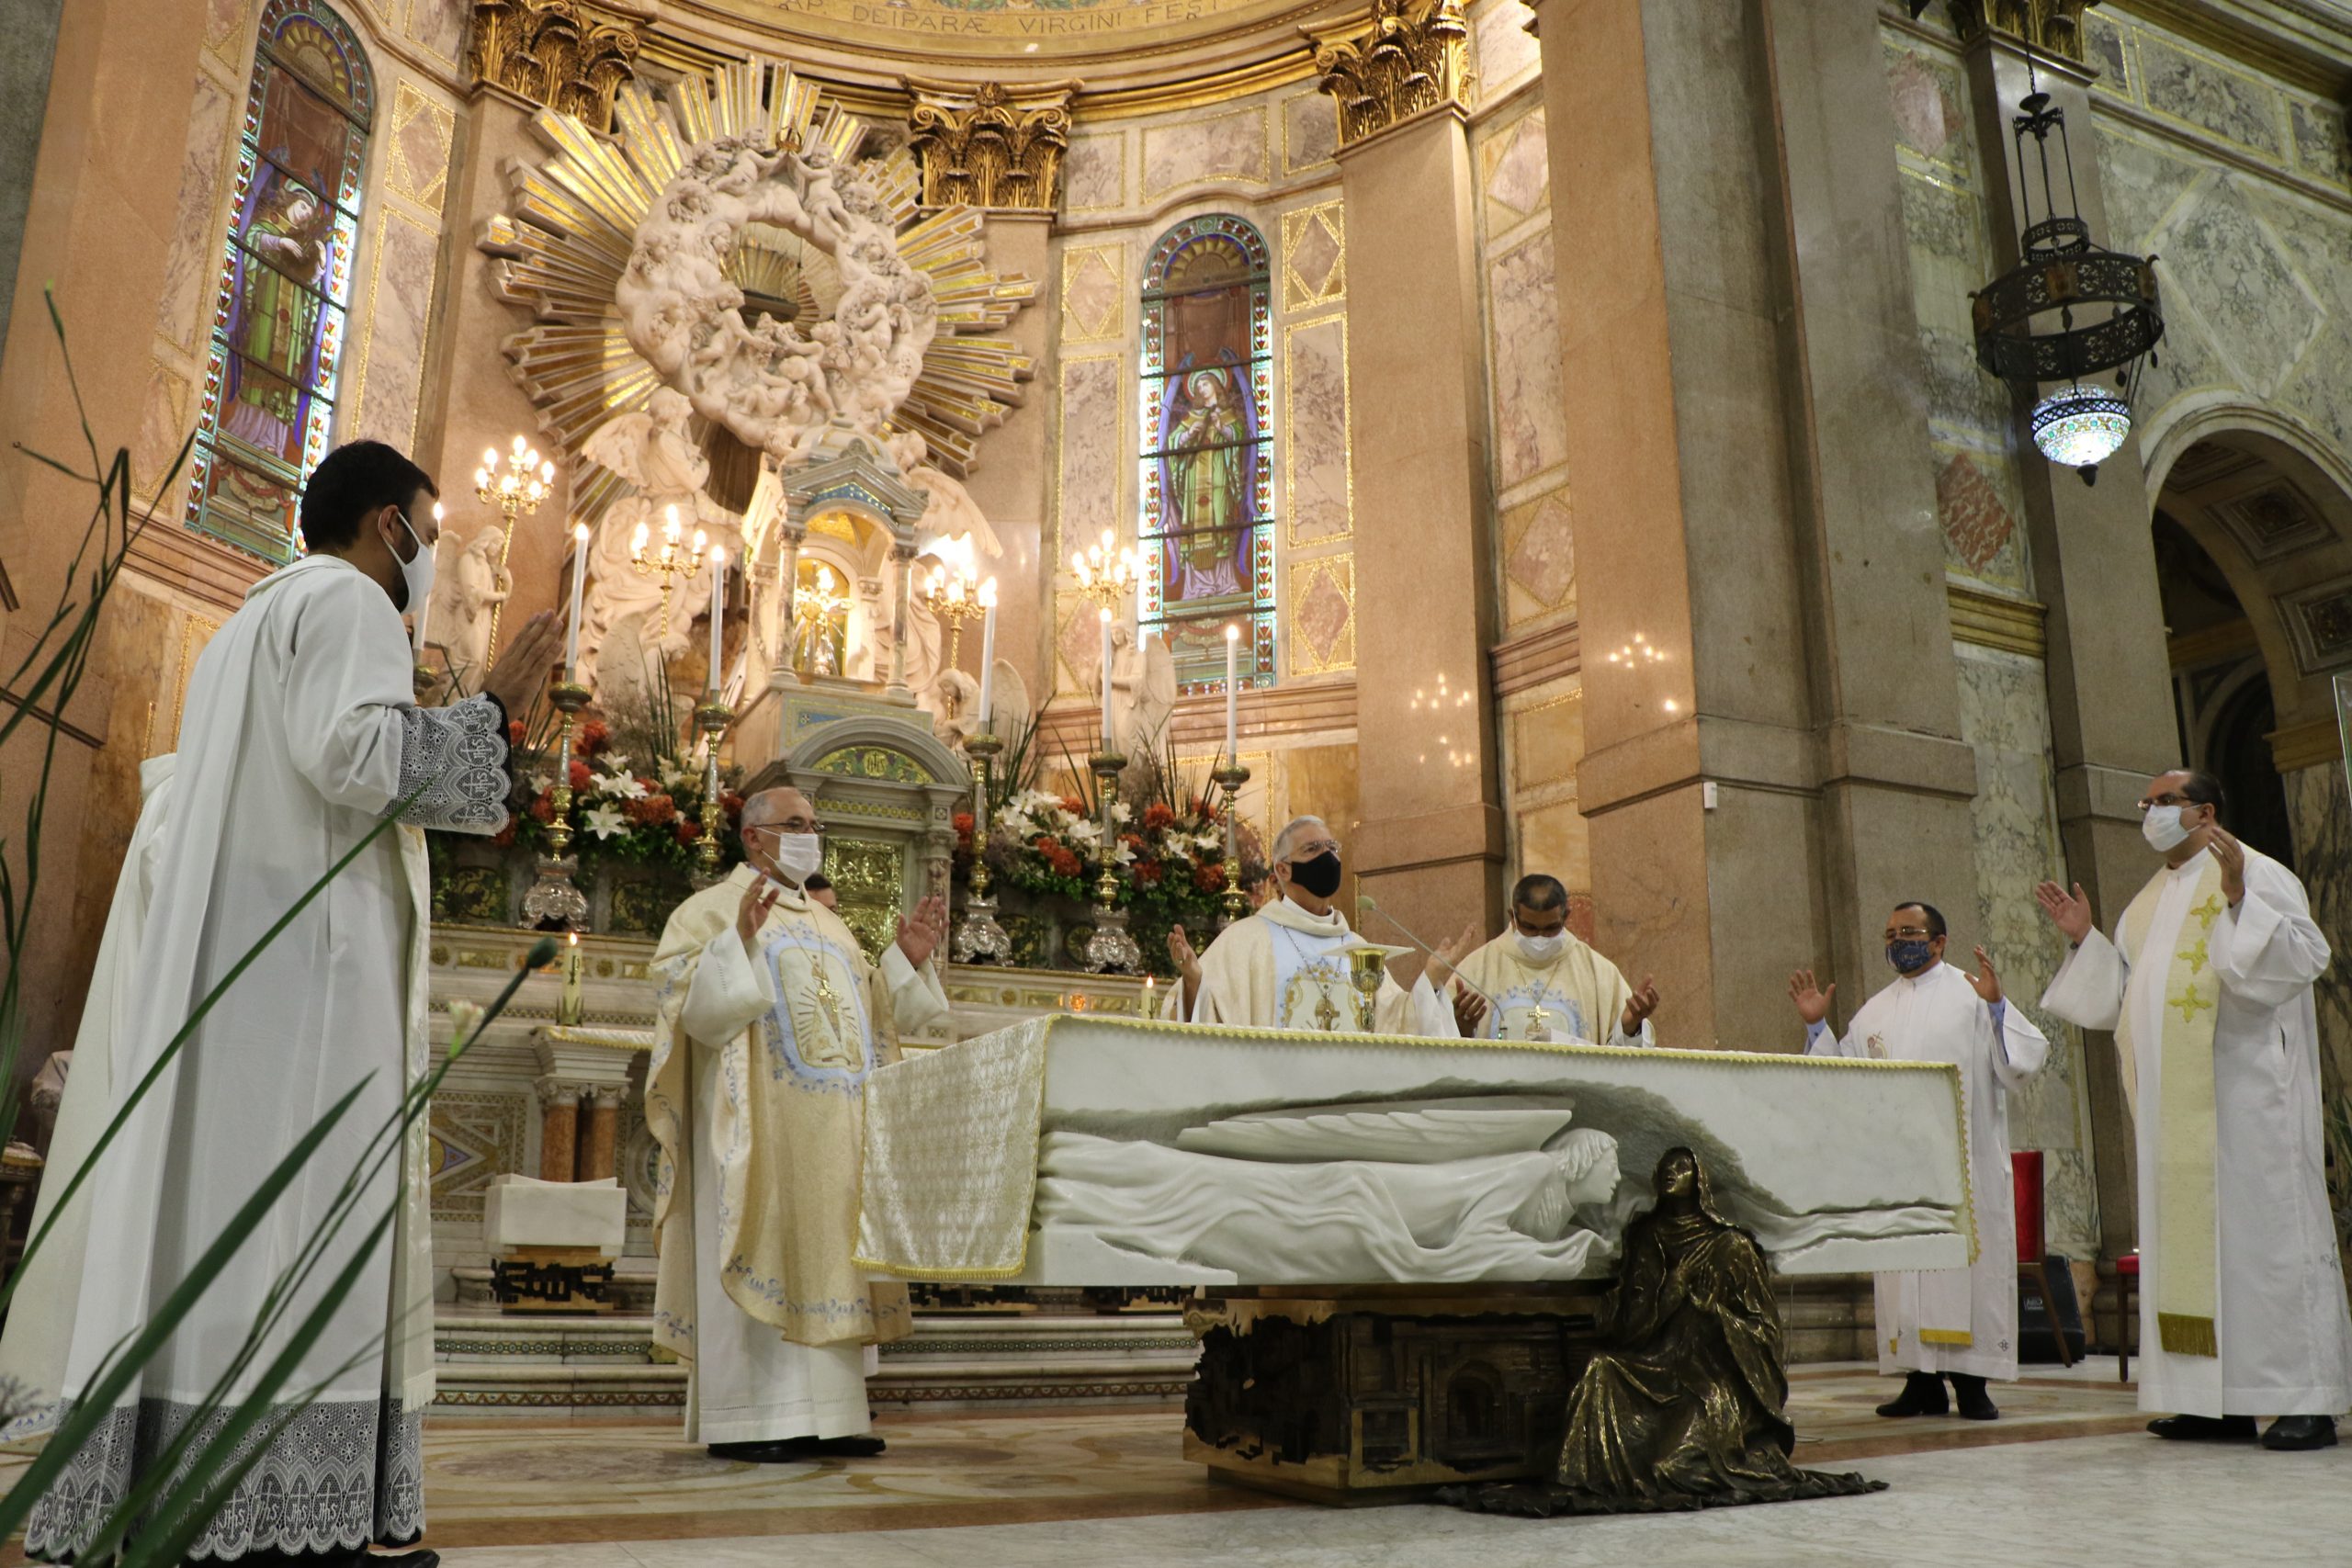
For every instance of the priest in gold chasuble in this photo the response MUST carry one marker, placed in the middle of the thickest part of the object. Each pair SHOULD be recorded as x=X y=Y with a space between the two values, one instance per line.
x=1542 y=982
x=1286 y=968
x=771 y=1021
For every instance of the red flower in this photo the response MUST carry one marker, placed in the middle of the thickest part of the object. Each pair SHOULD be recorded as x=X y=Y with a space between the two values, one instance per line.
x=1133 y=840
x=1074 y=805
x=964 y=831
x=1208 y=878
x=1148 y=871
x=579 y=777
x=514 y=732
x=543 y=806
x=734 y=803
x=594 y=737
x=1065 y=862
x=652 y=810
x=1158 y=816
x=505 y=835
x=688 y=829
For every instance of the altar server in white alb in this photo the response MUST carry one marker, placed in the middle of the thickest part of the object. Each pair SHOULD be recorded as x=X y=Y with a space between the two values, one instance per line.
x=771 y=1021
x=300 y=735
x=1960 y=1324
x=1542 y=982
x=1284 y=967
x=2207 y=983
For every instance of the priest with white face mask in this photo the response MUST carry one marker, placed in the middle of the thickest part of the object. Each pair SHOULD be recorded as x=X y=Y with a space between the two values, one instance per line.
x=2206 y=981
x=1538 y=981
x=1285 y=966
x=1960 y=1324
x=771 y=1020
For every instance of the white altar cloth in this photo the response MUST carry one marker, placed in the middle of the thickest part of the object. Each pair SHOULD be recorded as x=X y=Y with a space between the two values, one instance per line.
x=997 y=1159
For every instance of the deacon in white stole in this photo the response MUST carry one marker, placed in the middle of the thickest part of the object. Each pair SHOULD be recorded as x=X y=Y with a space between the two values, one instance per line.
x=1286 y=966
x=1542 y=982
x=2207 y=985
x=771 y=1021
x=1956 y=1323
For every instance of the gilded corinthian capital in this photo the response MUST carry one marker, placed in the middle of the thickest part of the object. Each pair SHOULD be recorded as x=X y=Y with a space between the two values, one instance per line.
x=569 y=56
x=2053 y=27
x=990 y=145
x=1408 y=57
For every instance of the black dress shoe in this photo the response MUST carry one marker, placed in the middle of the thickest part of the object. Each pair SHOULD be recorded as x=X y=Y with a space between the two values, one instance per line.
x=1969 y=1395
x=2292 y=1432
x=844 y=1447
x=780 y=1451
x=417 y=1558
x=2203 y=1428
x=1923 y=1395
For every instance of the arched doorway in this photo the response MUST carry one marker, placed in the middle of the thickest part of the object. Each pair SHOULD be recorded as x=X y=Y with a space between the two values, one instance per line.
x=2253 y=539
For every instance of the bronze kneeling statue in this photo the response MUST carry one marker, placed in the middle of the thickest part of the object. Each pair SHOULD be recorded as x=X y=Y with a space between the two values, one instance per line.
x=1684 y=1408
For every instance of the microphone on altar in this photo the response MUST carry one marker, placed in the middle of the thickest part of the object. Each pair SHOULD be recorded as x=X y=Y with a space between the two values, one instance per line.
x=1365 y=901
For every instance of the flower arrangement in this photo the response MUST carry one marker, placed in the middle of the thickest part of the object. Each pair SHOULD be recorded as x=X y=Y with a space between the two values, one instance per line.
x=646 y=808
x=1168 y=854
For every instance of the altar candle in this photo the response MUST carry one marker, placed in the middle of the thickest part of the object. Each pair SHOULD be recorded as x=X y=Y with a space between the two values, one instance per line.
x=988 y=650
x=1106 y=680
x=578 y=574
x=717 y=607
x=1232 y=649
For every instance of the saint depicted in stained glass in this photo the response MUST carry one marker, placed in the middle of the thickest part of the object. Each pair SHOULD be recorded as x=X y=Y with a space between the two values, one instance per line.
x=1208 y=481
x=277 y=325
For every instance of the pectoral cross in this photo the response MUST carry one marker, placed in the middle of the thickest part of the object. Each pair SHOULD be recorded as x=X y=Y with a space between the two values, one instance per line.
x=1327 y=1012
x=829 y=1001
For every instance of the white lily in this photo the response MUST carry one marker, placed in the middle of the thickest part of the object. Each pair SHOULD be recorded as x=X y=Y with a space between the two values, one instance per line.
x=607 y=821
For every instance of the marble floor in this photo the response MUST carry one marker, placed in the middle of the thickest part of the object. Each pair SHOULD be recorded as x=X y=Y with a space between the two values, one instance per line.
x=2066 y=1475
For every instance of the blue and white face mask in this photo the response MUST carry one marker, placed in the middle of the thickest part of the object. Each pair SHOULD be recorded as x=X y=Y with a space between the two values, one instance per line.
x=1910 y=956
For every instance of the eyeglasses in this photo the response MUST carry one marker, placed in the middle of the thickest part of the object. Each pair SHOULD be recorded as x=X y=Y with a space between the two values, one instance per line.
x=2167 y=798
x=1909 y=934
x=1320 y=847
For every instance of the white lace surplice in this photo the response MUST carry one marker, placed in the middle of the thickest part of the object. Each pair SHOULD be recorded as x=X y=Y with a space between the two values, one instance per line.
x=299 y=735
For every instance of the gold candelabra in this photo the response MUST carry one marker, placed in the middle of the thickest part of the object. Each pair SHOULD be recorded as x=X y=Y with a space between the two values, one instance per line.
x=712 y=715
x=1106 y=576
x=516 y=488
x=673 y=561
x=555 y=901
x=954 y=594
x=1230 y=776
x=1112 y=948
x=979 y=937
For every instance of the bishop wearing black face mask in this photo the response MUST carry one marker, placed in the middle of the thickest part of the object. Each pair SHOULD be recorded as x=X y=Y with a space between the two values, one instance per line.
x=1960 y=1324
x=1284 y=967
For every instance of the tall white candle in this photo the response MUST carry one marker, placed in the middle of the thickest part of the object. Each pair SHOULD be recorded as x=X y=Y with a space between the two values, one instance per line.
x=717 y=608
x=987 y=652
x=1107 y=732
x=1232 y=649
x=571 y=628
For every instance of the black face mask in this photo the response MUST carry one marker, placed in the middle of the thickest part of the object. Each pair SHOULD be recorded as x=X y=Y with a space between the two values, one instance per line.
x=1321 y=875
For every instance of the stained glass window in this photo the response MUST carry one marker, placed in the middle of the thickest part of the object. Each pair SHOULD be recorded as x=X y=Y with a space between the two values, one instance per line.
x=1207 y=443
x=278 y=317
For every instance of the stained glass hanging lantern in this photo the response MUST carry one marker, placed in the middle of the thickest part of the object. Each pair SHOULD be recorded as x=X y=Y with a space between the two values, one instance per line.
x=2069 y=309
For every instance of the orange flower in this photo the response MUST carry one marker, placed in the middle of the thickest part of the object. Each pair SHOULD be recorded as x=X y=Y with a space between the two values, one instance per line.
x=1159 y=815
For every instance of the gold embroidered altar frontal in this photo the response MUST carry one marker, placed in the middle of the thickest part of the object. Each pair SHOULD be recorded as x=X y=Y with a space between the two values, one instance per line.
x=1079 y=1149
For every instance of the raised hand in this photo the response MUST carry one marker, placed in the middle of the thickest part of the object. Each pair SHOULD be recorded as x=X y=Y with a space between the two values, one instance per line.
x=523 y=668
x=1469 y=1013
x=1443 y=962
x=1813 y=1002
x=2070 y=913
x=2231 y=855
x=1986 y=981
x=752 y=912
x=921 y=934
x=1640 y=1005
x=1180 y=954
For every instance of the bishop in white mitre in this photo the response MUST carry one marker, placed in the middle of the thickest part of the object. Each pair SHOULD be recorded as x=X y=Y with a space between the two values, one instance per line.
x=1286 y=966
x=771 y=1020
x=300 y=735
x=2206 y=981
x=1960 y=1324
x=1539 y=981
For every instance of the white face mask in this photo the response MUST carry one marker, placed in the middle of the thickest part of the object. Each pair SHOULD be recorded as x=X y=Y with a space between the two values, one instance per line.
x=799 y=856
x=1541 y=949
x=2162 y=828
x=416 y=572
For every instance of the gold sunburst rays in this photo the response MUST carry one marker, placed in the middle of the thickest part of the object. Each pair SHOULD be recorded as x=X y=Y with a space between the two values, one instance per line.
x=572 y=222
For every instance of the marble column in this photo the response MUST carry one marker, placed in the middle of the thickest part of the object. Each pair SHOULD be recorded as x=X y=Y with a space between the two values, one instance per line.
x=1774 y=759
x=559 y=1129
x=902 y=609
x=1011 y=482
x=1431 y=842
x=2111 y=724
x=600 y=1155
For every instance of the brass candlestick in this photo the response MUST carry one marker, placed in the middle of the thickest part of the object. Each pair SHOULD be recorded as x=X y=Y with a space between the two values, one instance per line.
x=1229 y=777
x=1112 y=948
x=555 y=902
x=713 y=717
x=516 y=492
x=979 y=937
x=953 y=596
x=673 y=561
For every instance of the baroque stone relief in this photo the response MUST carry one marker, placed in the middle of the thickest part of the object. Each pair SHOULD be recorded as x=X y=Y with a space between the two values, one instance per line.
x=1196 y=150
x=190 y=260
x=2235 y=275
x=397 y=306
x=1530 y=429
x=2211 y=96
